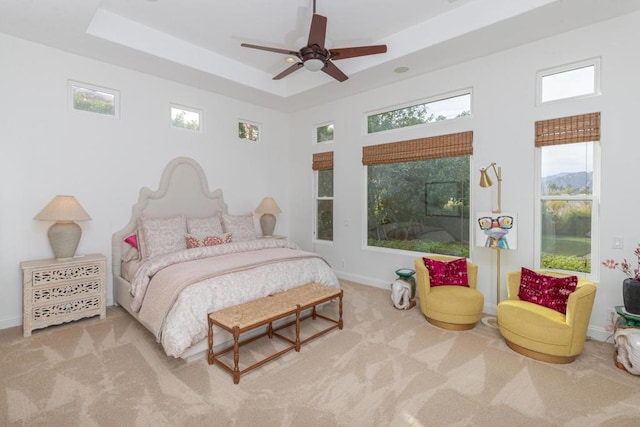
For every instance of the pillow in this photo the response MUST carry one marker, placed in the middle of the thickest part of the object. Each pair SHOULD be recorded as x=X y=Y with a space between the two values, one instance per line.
x=240 y=226
x=207 y=240
x=130 y=254
x=132 y=240
x=201 y=226
x=451 y=273
x=548 y=291
x=159 y=236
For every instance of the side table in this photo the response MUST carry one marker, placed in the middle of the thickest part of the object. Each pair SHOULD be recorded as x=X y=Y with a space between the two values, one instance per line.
x=56 y=291
x=626 y=354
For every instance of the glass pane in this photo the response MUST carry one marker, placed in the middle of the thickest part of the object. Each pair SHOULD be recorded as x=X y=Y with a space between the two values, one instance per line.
x=324 y=133
x=86 y=99
x=249 y=131
x=325 y=220
x=567 y=169
x=568 y=84
x=443 y=109
x=420 y=206
x=185 y=119
x=325 y=183
x=566 y=235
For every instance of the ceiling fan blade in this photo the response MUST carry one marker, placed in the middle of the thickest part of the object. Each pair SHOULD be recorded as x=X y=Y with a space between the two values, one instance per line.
x=318 y=31
x=352 y=52
x=288 y=71
x=270 y=49
x=331 y=69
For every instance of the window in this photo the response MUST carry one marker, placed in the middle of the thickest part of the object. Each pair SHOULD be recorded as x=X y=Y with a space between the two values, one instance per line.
x=571 y=81
x=324 y=132
x=418 y=194
x=248 y=131
x=568 y=192
x=186 y=118
x=94 y=99
x=442 y=108
x=323 y=165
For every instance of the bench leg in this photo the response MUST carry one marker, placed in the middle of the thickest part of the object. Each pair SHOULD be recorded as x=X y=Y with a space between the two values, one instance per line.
x=236 y=355
x=298 y=327
x=340 y=324
x=211 y=356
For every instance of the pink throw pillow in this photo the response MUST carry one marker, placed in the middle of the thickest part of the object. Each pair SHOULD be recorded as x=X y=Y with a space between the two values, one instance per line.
x=213 y=240
x=132 y=240
x=451 y=273
x=548 y=291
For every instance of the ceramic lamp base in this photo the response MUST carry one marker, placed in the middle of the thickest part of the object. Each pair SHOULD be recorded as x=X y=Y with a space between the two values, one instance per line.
x=268 y=224
x=64 y=238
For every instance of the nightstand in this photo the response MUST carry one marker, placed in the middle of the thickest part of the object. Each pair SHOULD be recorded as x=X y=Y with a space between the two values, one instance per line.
x=62 y=291
x=275 y=236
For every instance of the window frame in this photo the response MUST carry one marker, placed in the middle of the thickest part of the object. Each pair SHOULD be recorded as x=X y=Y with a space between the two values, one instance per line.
x=591 y=62
x=415 y=103
x=258 y=140
x=184 y=108
x=115 y=93
x=594 y=198
x=316 y=200
x=315 y=132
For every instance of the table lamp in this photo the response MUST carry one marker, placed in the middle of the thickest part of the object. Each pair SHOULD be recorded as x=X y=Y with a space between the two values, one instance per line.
x=268 y=208
x=64 y=234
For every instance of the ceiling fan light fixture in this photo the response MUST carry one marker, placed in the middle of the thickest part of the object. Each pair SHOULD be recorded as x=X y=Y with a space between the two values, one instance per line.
x=314 y=64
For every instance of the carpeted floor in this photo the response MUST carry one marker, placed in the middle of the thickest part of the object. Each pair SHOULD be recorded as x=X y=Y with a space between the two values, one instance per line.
x=386 y=367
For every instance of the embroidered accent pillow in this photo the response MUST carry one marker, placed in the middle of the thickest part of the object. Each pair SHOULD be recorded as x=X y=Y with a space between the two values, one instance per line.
x=451 y=273
x=201 y=226
x=240 y=226
x=207 y=240
x=159 y=236
x=548 y=291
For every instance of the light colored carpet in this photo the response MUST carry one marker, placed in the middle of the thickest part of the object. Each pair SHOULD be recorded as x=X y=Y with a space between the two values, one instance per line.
x=386 y=367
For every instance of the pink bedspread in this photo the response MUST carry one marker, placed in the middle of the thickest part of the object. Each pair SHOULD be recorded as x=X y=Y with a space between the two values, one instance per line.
x=175 y=292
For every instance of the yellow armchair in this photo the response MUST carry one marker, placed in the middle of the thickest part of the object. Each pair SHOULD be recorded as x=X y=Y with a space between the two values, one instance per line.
x=449 y=307
x=543 y=333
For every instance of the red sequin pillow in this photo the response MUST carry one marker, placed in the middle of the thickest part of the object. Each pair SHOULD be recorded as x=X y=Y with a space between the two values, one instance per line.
x=548 y=291
x=215 y=239
x=451 y=273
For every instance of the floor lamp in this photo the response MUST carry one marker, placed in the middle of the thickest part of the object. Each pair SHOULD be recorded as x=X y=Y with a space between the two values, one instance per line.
x=485 y=181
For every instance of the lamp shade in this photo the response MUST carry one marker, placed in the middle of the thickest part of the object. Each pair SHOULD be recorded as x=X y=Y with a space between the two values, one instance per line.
x=63 y=208
x=485 y=181
x=65 y=234
x=268 y=206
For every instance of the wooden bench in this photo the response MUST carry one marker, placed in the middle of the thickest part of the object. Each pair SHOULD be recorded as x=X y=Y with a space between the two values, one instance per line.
x=266 y=310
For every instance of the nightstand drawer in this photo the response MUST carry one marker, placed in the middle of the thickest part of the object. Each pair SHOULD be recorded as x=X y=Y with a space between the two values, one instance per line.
x=66 y=290
x=47 y=276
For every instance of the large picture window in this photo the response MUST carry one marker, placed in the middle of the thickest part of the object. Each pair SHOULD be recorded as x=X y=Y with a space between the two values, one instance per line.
x=567 y=192
x=418 y=194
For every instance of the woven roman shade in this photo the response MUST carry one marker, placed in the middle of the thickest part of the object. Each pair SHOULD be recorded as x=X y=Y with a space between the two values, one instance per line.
x=567 y=130
x=452 y=145
x=322 y=161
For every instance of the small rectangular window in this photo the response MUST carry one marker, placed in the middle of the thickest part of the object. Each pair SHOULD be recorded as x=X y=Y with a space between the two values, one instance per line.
x=93 y=99
x=570 y=81
x=186 y=118
x=249 y=131
x=445 y=107
x=324 y=132
x=324 y=213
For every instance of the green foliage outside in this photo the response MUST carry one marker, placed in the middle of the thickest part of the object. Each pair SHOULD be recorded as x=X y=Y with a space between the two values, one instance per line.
x=460 y=249
x=179 y=121
x=93 y=102
x=324 y=133
x=566 y=235
x=248 y=131
x=566 y=262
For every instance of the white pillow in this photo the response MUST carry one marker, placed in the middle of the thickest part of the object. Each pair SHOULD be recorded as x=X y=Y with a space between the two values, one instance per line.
x=240 y=226
x=159 y=236
x=205 y=226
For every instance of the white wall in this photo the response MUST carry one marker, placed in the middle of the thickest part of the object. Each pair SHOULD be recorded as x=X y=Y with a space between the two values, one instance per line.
x=504 y=113
x=45 y=150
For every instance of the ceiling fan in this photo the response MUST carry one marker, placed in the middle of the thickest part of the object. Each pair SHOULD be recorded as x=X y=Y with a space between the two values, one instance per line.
x=314 y=56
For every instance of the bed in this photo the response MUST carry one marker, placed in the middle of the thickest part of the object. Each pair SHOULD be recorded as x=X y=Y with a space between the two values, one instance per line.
x=182 y=256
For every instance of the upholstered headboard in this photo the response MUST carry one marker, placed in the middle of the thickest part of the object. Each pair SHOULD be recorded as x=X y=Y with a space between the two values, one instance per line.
x=183 y=190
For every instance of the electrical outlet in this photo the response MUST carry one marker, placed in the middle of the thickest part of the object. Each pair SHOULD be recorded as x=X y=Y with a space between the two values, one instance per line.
x=617 y=243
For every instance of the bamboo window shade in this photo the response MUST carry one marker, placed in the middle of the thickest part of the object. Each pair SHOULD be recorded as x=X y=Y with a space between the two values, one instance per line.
x=568 y=130
x=322 y=161
x=451 y=145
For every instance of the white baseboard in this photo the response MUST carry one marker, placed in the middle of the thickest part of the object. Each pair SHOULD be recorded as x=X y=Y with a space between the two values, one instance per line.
x=10 y=322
